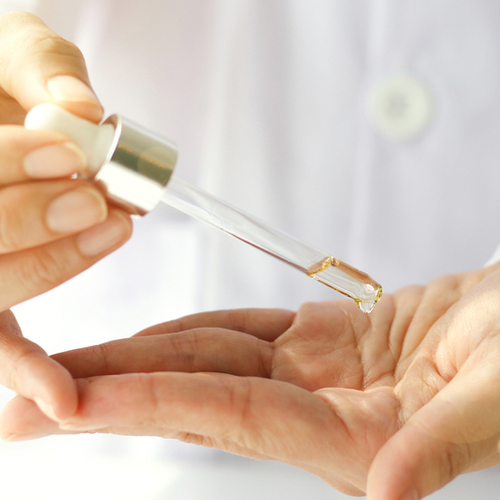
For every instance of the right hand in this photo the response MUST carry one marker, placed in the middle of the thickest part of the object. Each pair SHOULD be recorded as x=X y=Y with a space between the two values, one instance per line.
x=52 y=227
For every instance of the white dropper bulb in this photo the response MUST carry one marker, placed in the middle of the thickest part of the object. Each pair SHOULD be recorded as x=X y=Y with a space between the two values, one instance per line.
x=95 y=140
x=130 y=164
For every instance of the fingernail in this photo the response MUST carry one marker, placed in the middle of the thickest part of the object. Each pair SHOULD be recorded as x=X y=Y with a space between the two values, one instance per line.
x=56 y=160
x=46 y=408
x=70 y=89
x=106 y=236
x=76 y=210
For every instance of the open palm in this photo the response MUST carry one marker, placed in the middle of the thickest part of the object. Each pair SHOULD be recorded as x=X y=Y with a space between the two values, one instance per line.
x=397 y=402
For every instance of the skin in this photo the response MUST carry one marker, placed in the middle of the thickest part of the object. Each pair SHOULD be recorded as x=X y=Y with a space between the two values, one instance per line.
x=395 y=404
x=37 y=254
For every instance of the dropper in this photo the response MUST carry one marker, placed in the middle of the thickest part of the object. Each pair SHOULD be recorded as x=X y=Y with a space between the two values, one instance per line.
x=134 y=168
x=318 y=265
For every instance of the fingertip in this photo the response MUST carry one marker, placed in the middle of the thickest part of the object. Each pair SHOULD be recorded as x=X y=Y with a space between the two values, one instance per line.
x=50 y=386
x=22 y=420
x=60 y=410
x=43 y=67
x=107 y=236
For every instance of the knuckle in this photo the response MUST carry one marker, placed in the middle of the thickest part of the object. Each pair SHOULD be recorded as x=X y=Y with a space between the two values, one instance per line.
x=184 y=347
x=42 y=270
x=43 y=46
x=37 y=49
x=54 y=45
x=149 y=386
x=239 y=406
x=101 y=353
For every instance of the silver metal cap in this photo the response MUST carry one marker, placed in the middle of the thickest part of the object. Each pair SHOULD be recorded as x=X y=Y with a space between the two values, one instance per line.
x=138 y=167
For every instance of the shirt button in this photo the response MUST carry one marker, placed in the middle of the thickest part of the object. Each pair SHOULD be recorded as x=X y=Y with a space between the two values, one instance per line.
x=400 y=107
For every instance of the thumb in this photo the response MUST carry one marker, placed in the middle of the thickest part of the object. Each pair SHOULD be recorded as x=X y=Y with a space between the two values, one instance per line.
x=455 y=432
x=28 y=370
x=37 y=66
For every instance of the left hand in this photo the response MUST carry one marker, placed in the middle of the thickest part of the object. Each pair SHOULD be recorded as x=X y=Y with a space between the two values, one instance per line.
x=52 y=227
x=395 y=403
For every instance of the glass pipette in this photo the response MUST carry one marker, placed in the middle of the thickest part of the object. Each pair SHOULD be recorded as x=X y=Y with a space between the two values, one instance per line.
x=134 y=169
x=321 y=266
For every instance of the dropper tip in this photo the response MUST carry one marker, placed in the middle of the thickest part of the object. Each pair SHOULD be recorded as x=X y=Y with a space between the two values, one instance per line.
x=368 y=306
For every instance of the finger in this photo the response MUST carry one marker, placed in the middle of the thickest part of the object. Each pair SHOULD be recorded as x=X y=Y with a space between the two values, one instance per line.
x=200 y=350
x=34 y=271
x=204 y=404
x=36 y=66
x=26 y=368
x=247 y=415
x=37 y=213
x=185 y=402
x=265 y=324
x=247 y=411
x=22 y=420
x=29 y=154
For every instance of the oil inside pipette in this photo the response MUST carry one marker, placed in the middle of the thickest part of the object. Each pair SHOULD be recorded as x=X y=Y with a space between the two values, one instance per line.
x=348 y=280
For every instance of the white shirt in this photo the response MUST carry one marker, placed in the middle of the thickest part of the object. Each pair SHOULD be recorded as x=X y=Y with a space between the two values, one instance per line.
x=270 y=106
